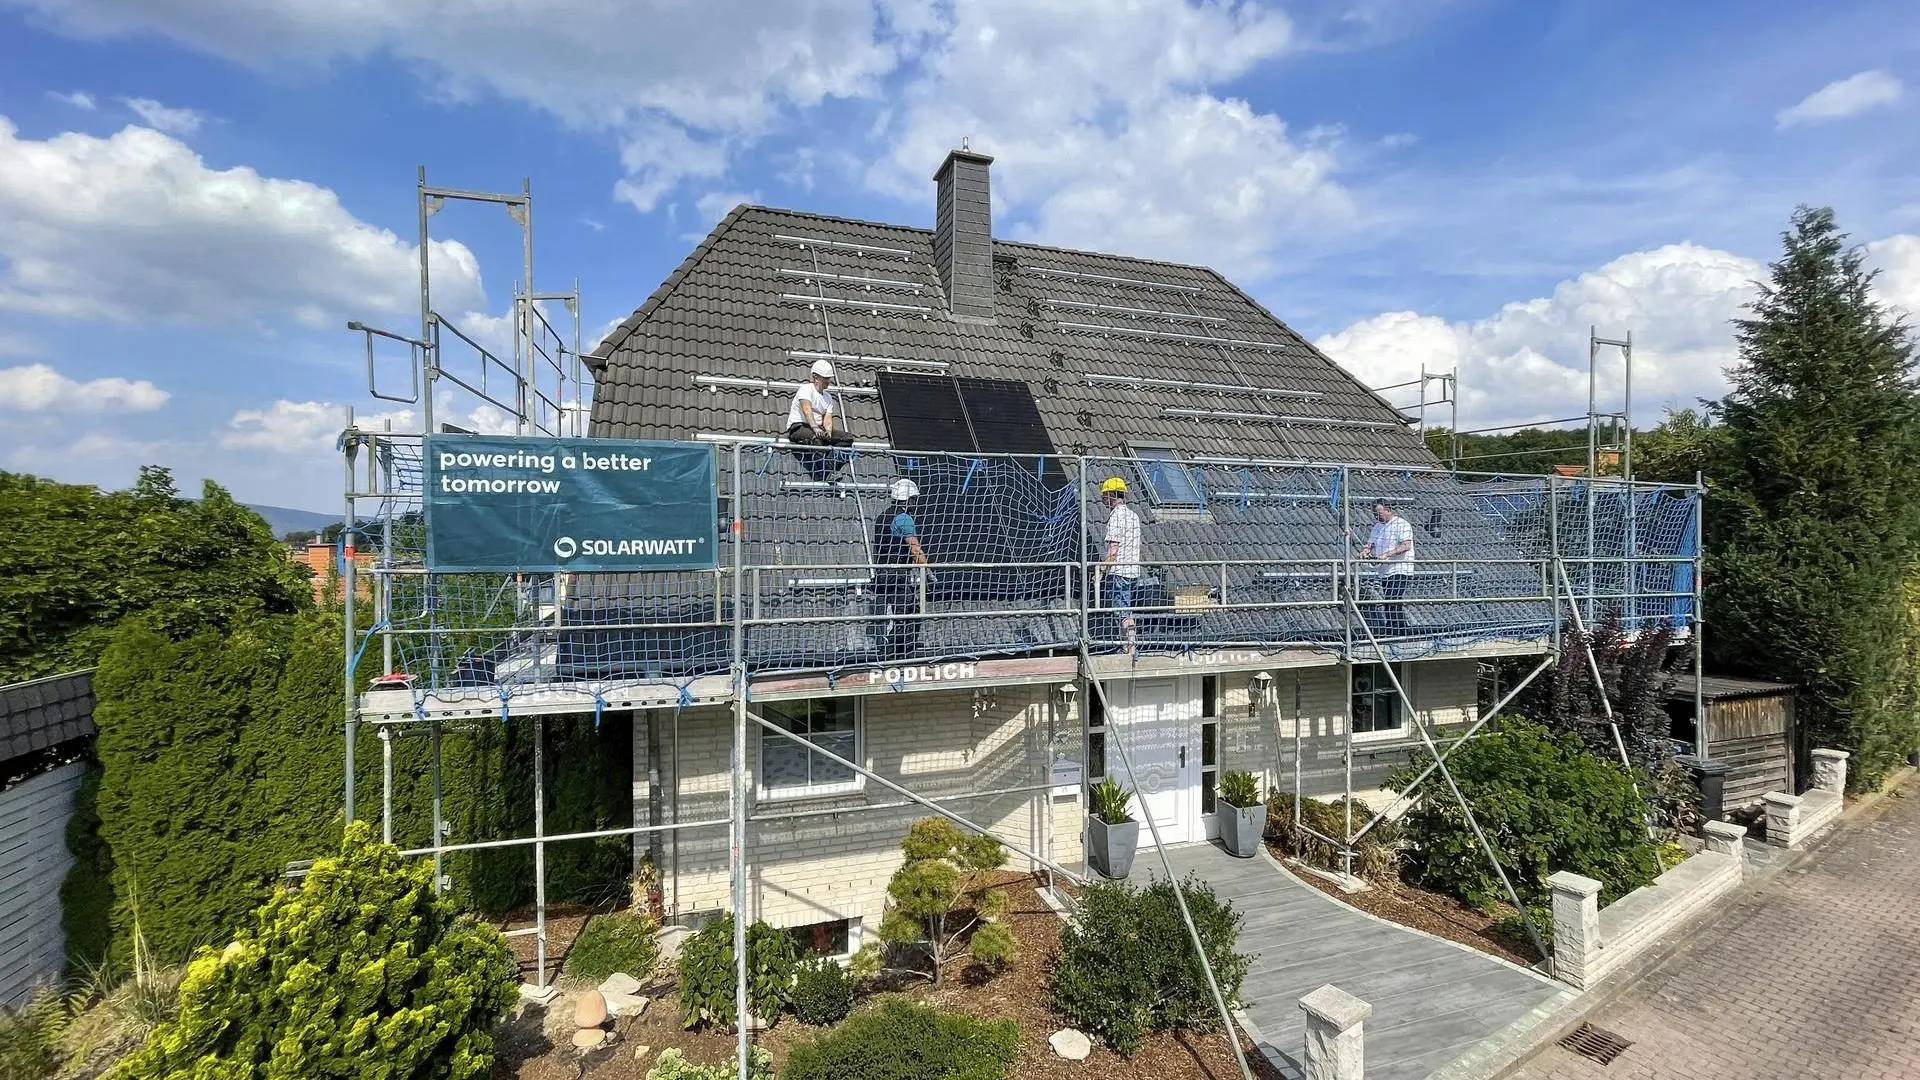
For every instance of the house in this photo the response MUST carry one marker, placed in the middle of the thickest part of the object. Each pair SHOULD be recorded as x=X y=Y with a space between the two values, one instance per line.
x=46 y=740
x=1251 y=456
x=322 y=562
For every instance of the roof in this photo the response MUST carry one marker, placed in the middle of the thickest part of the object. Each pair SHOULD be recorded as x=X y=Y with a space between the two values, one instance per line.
x=1060 y=316
x=40 y=714
x=1721 y=687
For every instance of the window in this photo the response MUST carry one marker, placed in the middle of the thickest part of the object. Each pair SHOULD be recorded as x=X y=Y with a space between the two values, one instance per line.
x=831 y=938
x=1377 y=708
x=1096 y=740
x=1169 y=483
x=789 y=770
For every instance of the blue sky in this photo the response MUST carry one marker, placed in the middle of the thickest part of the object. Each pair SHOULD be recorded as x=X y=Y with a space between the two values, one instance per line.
x=195 y=195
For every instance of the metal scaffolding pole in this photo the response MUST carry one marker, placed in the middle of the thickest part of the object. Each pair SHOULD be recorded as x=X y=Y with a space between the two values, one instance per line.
x=1700 y=741
x=351 y=444
x=1115 y=740
x=738 y=800
x=1439 y=762
x=539 y=845
x=386 y=785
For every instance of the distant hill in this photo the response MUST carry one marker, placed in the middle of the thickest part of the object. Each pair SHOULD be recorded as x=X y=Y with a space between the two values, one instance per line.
x=284 y=520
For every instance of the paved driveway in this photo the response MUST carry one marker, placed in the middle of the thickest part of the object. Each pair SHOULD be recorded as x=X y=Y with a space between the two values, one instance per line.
x=1815 y=974
x=1432 y=999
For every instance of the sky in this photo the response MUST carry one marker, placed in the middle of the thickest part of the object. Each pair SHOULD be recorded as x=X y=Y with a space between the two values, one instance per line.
x=196 y=196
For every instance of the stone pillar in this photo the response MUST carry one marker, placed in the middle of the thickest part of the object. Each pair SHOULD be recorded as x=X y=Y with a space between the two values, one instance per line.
x=1576 y=926
x=1726 y=838
x=1783 y=817
x=1335 y=1047
x=1830 y=771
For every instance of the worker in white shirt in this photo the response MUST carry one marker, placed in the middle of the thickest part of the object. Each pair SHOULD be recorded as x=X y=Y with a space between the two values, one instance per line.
x=1391 y=544
x=813 y=419
x=1121 y=564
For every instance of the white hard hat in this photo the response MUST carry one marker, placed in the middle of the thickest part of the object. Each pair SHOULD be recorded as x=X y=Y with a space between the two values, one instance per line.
x=823 y=368
x=904 y=489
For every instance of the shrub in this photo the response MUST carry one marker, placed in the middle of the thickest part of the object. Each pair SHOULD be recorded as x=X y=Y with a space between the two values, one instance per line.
x=1241 y=789
x=30 y=1037
x=822 y=991
x=867 y=963
x=1546 y=805
x=905 y=1041
x=363 y=972
x=1376 y=857
x=993 y=947
x=672 y=1064
x=1127 y=967
x=1110 y=801
x=707 y=986
x=623 y=941
x=940 y=892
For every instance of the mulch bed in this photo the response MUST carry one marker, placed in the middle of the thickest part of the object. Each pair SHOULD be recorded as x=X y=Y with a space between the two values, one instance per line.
x=535 y=1046
x=1436 y=913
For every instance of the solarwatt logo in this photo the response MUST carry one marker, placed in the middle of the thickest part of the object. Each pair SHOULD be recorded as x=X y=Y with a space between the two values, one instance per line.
x=566 y=547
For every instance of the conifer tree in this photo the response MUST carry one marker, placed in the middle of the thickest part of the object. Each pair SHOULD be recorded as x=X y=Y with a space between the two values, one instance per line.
x=1814 y=519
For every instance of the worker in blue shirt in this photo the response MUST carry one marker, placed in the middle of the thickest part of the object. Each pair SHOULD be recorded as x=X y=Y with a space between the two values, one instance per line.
x=896 y=550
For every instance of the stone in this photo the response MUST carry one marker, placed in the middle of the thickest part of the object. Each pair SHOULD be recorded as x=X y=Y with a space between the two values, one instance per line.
x=1335 y=1040
x=1725 y=837
x=624 y=1004
x=620 y=983
x=640 y=1052
x=539 y=995
x=589 y=1038
x=1070 y=1044
x=589 y=1009
x=754 y=1023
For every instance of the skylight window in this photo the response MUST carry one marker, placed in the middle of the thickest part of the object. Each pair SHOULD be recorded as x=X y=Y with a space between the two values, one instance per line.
x=1169 y=482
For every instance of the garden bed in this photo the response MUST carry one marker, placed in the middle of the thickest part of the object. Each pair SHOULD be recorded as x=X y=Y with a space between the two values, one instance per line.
x=528 y=1052
x=1435 y=913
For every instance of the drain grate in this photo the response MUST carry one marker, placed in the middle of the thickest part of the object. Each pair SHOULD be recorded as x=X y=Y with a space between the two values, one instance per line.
x=1597 y=1044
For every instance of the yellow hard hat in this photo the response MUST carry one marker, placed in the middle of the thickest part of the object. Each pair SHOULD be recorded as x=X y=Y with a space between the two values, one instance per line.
x=1113 y=485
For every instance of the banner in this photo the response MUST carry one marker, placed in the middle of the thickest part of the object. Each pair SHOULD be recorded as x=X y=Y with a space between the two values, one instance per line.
x=543 y=505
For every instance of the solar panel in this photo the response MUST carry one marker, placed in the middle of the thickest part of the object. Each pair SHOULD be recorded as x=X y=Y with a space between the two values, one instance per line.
x=924 y=412
x=1004 y=417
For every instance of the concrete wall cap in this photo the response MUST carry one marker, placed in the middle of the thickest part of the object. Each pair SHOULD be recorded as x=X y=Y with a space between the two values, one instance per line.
x=1726 y=830
x=1836 y=755
x=1781 y=798
x=1334 y=1006
x=1570 y=882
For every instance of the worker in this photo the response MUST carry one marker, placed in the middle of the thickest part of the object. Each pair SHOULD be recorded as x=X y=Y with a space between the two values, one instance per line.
x=896 y=592
x=813 y=419
x=1391 y=543
x=1121 y=563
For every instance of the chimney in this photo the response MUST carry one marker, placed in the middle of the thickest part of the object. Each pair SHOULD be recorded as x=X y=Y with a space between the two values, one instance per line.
x=963 y=232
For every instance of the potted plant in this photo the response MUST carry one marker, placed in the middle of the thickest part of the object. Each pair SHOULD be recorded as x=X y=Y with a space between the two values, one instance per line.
x=1243 y=817
x=1112 y=833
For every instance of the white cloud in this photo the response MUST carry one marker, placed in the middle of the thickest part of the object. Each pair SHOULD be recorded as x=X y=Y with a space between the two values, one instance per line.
x=1110 y=131
x=82 y=460
x=679 y=85
x=13 y=343
x=165 y=117
x=306 y=428
x=40 y=388
x=78 y=99
x=1528 y=361
x=135 y=227
x=715 y=205
x=1843 y=98
x=1898 y=258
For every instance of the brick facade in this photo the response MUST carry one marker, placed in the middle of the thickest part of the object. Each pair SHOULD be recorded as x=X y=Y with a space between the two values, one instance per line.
x=942 y=743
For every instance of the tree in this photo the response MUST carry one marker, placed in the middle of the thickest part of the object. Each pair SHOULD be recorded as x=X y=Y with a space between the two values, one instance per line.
x=363 y=972
x=1635 y=676
x=77 y=561
x=1814 y=518
x=941 y=892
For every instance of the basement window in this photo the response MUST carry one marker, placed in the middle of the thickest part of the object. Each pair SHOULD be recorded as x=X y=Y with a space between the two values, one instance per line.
x=789 y=770
x=1170 y=483
x=833 y=938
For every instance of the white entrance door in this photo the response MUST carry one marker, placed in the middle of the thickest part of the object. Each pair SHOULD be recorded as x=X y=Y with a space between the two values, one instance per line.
x=1161 y=719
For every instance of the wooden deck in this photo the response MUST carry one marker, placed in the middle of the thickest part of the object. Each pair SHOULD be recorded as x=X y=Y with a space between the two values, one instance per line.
x=1432 y=1000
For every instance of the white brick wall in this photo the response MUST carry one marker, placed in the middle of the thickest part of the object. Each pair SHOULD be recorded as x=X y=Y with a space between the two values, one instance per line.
x=836 y=865
x=935 y=743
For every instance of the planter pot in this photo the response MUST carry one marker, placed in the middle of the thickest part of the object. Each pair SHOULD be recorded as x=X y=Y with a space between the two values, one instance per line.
x=1110 y=847
x=1241 y=828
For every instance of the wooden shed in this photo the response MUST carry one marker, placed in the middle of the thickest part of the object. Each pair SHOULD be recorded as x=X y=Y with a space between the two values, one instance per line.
x=1749 y=725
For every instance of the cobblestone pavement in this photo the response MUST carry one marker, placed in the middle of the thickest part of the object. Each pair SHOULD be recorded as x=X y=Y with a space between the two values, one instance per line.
x=1816 y=974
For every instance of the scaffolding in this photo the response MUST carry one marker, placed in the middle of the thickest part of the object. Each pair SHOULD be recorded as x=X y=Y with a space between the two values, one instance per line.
x=1256 y=556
